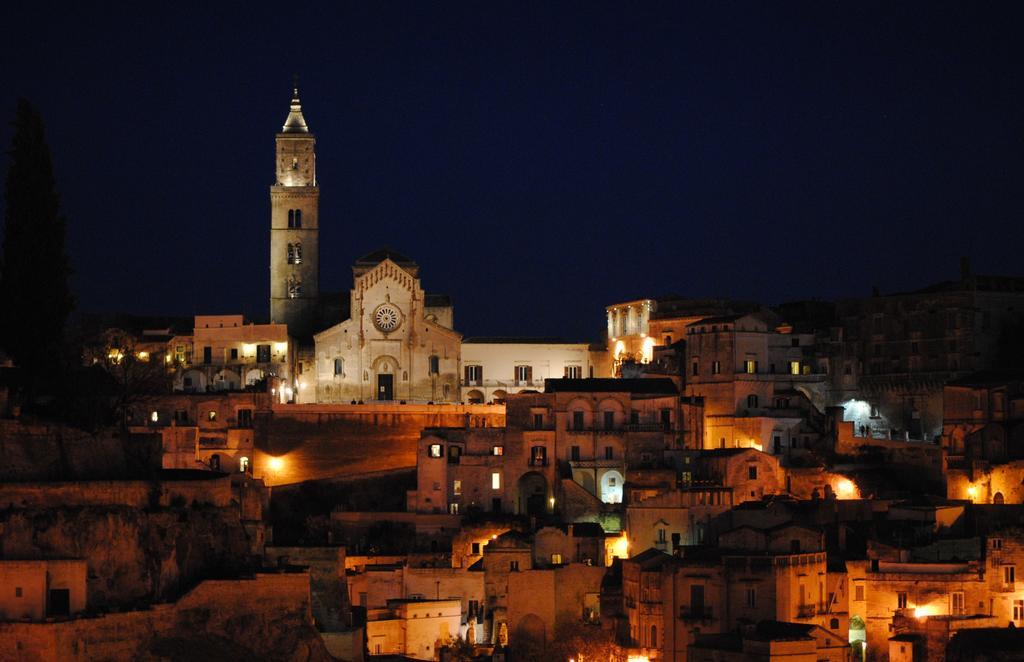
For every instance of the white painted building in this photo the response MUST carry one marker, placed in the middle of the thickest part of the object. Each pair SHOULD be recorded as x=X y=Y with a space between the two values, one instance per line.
x=492 y=368
x=413 y=628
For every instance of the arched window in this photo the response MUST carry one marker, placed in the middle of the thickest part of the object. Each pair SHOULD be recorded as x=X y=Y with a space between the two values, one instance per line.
x=294 y=288
x=243 y=464
x=997 y=498
x=294 y=218
x=298 y=218
x=295 y=253
x=752 y=400
x=339 y=366
x=291 y=218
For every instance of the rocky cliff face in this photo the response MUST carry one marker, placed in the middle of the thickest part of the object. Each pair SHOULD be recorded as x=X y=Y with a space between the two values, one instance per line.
x=134 y=556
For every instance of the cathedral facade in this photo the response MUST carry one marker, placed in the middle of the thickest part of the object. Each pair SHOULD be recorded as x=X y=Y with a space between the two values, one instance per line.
x=397 y=344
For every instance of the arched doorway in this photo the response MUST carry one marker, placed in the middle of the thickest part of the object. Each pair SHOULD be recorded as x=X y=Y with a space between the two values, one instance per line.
x=475 y=397
x=384 y=368
x=611 y=487
x=997 y=498
x=533 y=493
x=499 y=397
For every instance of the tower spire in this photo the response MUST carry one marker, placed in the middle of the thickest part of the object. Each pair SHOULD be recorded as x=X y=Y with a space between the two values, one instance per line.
x=295 y=123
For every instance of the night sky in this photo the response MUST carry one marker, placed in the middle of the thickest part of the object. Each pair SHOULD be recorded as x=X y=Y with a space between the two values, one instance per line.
x=538 y=161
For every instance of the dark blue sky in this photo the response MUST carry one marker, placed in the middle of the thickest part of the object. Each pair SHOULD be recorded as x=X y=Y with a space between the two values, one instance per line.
x=538 y=161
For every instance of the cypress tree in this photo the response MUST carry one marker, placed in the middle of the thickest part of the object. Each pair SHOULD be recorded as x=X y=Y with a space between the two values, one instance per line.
x=34 y=293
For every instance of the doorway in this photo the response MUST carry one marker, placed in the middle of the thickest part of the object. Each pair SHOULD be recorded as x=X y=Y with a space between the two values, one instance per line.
x=385 y=387
x=59 y=602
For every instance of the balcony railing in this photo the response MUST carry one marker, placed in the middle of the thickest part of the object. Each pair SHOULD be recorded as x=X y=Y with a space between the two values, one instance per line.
x=703 y=613
x=1007 y=587
x=806 y=611
x=538 y=462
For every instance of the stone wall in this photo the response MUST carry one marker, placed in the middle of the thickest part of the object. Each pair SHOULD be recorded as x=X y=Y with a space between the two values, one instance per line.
x=31 y=452
x=314 y=442
x=262 y=618
x=208 y=489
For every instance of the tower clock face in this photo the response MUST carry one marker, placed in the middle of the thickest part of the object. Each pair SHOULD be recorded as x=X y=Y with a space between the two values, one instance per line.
x=387 y=317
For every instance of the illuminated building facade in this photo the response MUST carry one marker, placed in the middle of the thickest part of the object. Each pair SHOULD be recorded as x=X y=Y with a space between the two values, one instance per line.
x=294 y=228
x=397 y=344
x=761 y=385
x=224 y=353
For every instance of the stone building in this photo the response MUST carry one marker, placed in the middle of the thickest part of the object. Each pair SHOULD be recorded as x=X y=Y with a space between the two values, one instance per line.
x=398 y=342
x=983 y=438
x=494 y=367
x=295 y=228
x=779 y=573
x=39 y=589
x=636 y=329
x=761 y=385
x=223 y=353
x=566 y=450
x=213 y=431
x=896 y=351
x=771 y=641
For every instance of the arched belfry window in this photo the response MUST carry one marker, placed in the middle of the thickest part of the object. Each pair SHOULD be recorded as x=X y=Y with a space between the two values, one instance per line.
x=294 y=218
x=295 y=253
x=294 y=288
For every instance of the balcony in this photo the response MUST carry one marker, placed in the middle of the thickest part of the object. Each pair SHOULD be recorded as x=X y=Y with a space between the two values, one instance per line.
x=538 y=462
x=806 y=611
x=703 y=613
x=648 y=427
x=1006 y=587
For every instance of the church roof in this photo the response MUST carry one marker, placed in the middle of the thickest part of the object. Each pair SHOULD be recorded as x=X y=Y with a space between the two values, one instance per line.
x=376 y=257
x=295 y=123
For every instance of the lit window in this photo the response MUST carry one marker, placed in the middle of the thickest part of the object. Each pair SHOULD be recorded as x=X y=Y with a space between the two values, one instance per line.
x=154 y=416
x=457 y=487
x=556 y=559
x=573 y=371
x=523 y=374
x=957 y=603
x=453 y=508
x=497 y=450
x=750 y=367
x=243 y=464
x=436 y=450
x=495 y=481
x=716 y=368
x=211 y=415
x=794 y=367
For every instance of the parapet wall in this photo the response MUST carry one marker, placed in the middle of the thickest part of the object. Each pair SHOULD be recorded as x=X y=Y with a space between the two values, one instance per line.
x=266 y=617
x=321 y=441
x=132 y=494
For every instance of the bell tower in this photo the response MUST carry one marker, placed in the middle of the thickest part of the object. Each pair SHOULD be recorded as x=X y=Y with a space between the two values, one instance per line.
x=294 y=228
